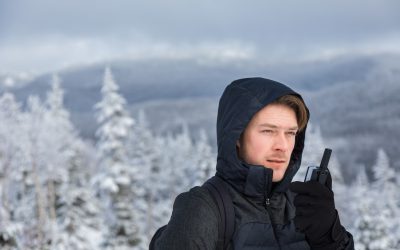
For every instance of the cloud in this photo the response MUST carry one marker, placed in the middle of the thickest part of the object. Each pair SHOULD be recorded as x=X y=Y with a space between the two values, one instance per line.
x=54 y=53
x=45 y=34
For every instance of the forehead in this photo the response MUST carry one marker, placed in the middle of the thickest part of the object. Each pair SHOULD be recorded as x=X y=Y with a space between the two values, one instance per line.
x=275 y=114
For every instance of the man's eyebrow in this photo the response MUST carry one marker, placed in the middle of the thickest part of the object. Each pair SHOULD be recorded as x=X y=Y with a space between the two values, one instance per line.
x=274 y=126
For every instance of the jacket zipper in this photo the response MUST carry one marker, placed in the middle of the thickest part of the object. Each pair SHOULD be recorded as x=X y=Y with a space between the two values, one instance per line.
x=268 y=196
x=267 y=206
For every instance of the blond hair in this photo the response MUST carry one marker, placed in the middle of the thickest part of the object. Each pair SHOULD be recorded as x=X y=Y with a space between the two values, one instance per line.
x=297 y=105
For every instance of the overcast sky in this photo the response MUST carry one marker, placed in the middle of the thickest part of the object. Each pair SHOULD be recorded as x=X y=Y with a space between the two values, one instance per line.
x=45 y=35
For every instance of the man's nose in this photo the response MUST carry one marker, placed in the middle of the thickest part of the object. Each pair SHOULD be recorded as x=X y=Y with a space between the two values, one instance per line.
x=280 y=142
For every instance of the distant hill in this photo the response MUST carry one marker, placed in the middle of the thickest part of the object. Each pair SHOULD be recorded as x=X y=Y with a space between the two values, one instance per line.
x=354 y=99
x=160 y=79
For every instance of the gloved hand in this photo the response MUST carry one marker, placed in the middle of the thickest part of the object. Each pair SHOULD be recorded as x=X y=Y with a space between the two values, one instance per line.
x=316 y=215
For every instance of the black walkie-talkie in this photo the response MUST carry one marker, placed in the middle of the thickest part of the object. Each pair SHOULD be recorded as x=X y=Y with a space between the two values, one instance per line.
x=319 y=173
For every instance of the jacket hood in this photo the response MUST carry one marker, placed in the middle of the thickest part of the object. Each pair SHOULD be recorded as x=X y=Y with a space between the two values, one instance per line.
x=238 y=104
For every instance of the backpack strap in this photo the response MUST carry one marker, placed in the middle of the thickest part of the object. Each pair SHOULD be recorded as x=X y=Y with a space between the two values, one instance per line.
x=218 y=190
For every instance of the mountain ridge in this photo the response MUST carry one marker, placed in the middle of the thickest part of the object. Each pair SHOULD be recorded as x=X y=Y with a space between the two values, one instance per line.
x=341 y=94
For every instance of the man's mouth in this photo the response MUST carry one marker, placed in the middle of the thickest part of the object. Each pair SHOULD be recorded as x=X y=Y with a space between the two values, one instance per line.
x=276 y=160
x=276 y=163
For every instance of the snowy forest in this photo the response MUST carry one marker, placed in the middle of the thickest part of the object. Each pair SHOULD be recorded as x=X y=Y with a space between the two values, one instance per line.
x=60 y=191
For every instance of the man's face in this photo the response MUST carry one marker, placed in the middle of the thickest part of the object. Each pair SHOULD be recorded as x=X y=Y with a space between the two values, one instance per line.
x=269 y=139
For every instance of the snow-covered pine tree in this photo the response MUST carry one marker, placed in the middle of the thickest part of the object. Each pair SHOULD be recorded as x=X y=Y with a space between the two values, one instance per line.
x=37 y=174
x=59 y=134
x=79 y=211
x=72 y=209
x=372 y=232
x=10 y=155
x=204 y=160
x=116 y=183
x=358 y=189
x=142 y=155
x=374 y=224
x=145 y=151
x=388 y=199
x=179 y=159
x=31 y=204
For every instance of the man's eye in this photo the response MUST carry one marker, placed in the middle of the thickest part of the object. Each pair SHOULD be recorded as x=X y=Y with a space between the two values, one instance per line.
x=292 y=133
x=267 y=131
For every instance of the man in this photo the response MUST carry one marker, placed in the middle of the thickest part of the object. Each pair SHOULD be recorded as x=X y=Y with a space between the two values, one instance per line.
x=261 y=128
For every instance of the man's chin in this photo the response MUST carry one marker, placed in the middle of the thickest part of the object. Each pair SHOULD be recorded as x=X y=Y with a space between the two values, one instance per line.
x=277 y=178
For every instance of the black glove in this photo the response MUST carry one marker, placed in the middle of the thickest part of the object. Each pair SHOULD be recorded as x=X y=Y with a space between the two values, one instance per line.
x=316 y=215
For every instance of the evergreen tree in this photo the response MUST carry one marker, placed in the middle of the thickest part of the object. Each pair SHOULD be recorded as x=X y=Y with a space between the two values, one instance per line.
x=117 y=181
x=10 y=154
x=180 y=162
x=383 y=173
x=204 y=160
x=72 y=207
x=386 y=186
x=36 y=174
x=59 y=134
x=376 y=213
x=372 y=231
x=357 y=190
x=144 y=155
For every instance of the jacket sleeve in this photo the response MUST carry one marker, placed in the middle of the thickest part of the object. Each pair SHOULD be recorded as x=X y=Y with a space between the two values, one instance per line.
x=193 y=224
x=346 y=244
